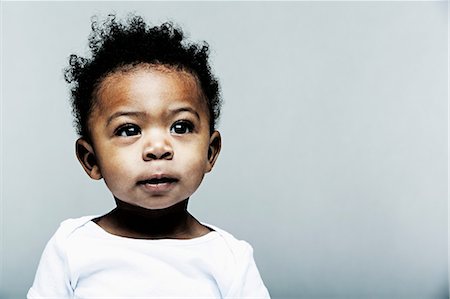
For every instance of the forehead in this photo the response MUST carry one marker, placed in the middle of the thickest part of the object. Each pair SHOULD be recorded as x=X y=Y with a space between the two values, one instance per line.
x=151 y=86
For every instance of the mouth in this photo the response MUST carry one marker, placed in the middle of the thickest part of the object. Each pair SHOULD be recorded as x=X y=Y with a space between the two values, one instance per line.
x=158 y=183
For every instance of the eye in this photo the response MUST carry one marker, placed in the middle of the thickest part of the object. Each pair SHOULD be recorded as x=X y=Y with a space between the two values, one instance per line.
x=127 y=130
x=182 y=127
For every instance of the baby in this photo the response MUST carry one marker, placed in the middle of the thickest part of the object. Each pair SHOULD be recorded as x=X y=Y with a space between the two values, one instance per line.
x=146 y=106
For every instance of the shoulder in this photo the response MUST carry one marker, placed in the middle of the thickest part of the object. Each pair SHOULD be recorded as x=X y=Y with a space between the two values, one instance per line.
x=54 y=275
x=246 y=281
x=59 y=246
x=240 y=249
x=69 y=226
x=73 y=223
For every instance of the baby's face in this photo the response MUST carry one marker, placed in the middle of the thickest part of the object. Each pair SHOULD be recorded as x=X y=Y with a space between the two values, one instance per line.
x=150 y=136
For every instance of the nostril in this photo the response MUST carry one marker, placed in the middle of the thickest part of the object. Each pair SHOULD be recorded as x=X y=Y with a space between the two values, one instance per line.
x=166 y=155
x=151 y=156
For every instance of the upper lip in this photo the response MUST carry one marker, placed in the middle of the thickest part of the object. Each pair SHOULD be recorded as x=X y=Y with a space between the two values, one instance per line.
x=158 y=179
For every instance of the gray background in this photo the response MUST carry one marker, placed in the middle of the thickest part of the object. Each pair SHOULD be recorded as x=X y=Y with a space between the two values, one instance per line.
x=334 y=160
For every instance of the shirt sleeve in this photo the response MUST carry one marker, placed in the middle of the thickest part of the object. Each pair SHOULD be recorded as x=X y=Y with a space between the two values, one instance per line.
x=247 y=282
x=52 y=278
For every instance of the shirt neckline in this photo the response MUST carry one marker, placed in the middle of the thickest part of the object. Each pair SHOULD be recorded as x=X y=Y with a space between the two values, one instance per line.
x=205 y=238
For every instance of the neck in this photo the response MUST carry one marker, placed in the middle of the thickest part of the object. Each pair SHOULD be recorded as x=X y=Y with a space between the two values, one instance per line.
x=170 y=222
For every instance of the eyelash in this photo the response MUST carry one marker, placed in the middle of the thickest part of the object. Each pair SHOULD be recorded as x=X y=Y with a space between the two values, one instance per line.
x=128 y=130
x=185 y=125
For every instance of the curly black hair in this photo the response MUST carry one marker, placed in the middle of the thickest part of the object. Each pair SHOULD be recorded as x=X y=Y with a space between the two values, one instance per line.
x=115 y=45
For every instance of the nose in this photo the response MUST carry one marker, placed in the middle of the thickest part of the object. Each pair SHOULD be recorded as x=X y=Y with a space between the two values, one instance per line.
x=158 y=147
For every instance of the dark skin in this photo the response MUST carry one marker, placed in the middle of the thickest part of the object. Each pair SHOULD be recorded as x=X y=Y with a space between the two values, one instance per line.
x=130 y=221
x=151 y=143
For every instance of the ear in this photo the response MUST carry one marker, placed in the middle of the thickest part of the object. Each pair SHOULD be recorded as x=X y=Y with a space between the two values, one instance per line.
x=86 y=156
x=215 y=143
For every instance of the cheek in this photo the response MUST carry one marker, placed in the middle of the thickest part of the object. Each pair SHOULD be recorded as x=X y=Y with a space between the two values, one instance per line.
x=195 y=162
x=113 y=165
x=199 y=157
x=195 y=177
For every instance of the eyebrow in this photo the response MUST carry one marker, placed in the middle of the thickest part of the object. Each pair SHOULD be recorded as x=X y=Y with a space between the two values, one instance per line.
x=185 y=109
x=142 y=114
x=124 y=113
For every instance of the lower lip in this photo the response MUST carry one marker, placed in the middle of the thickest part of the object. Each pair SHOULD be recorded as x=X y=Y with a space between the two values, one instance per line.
x=158 y=188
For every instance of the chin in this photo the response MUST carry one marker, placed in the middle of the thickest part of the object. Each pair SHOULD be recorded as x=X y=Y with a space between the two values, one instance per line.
x=160 y=205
